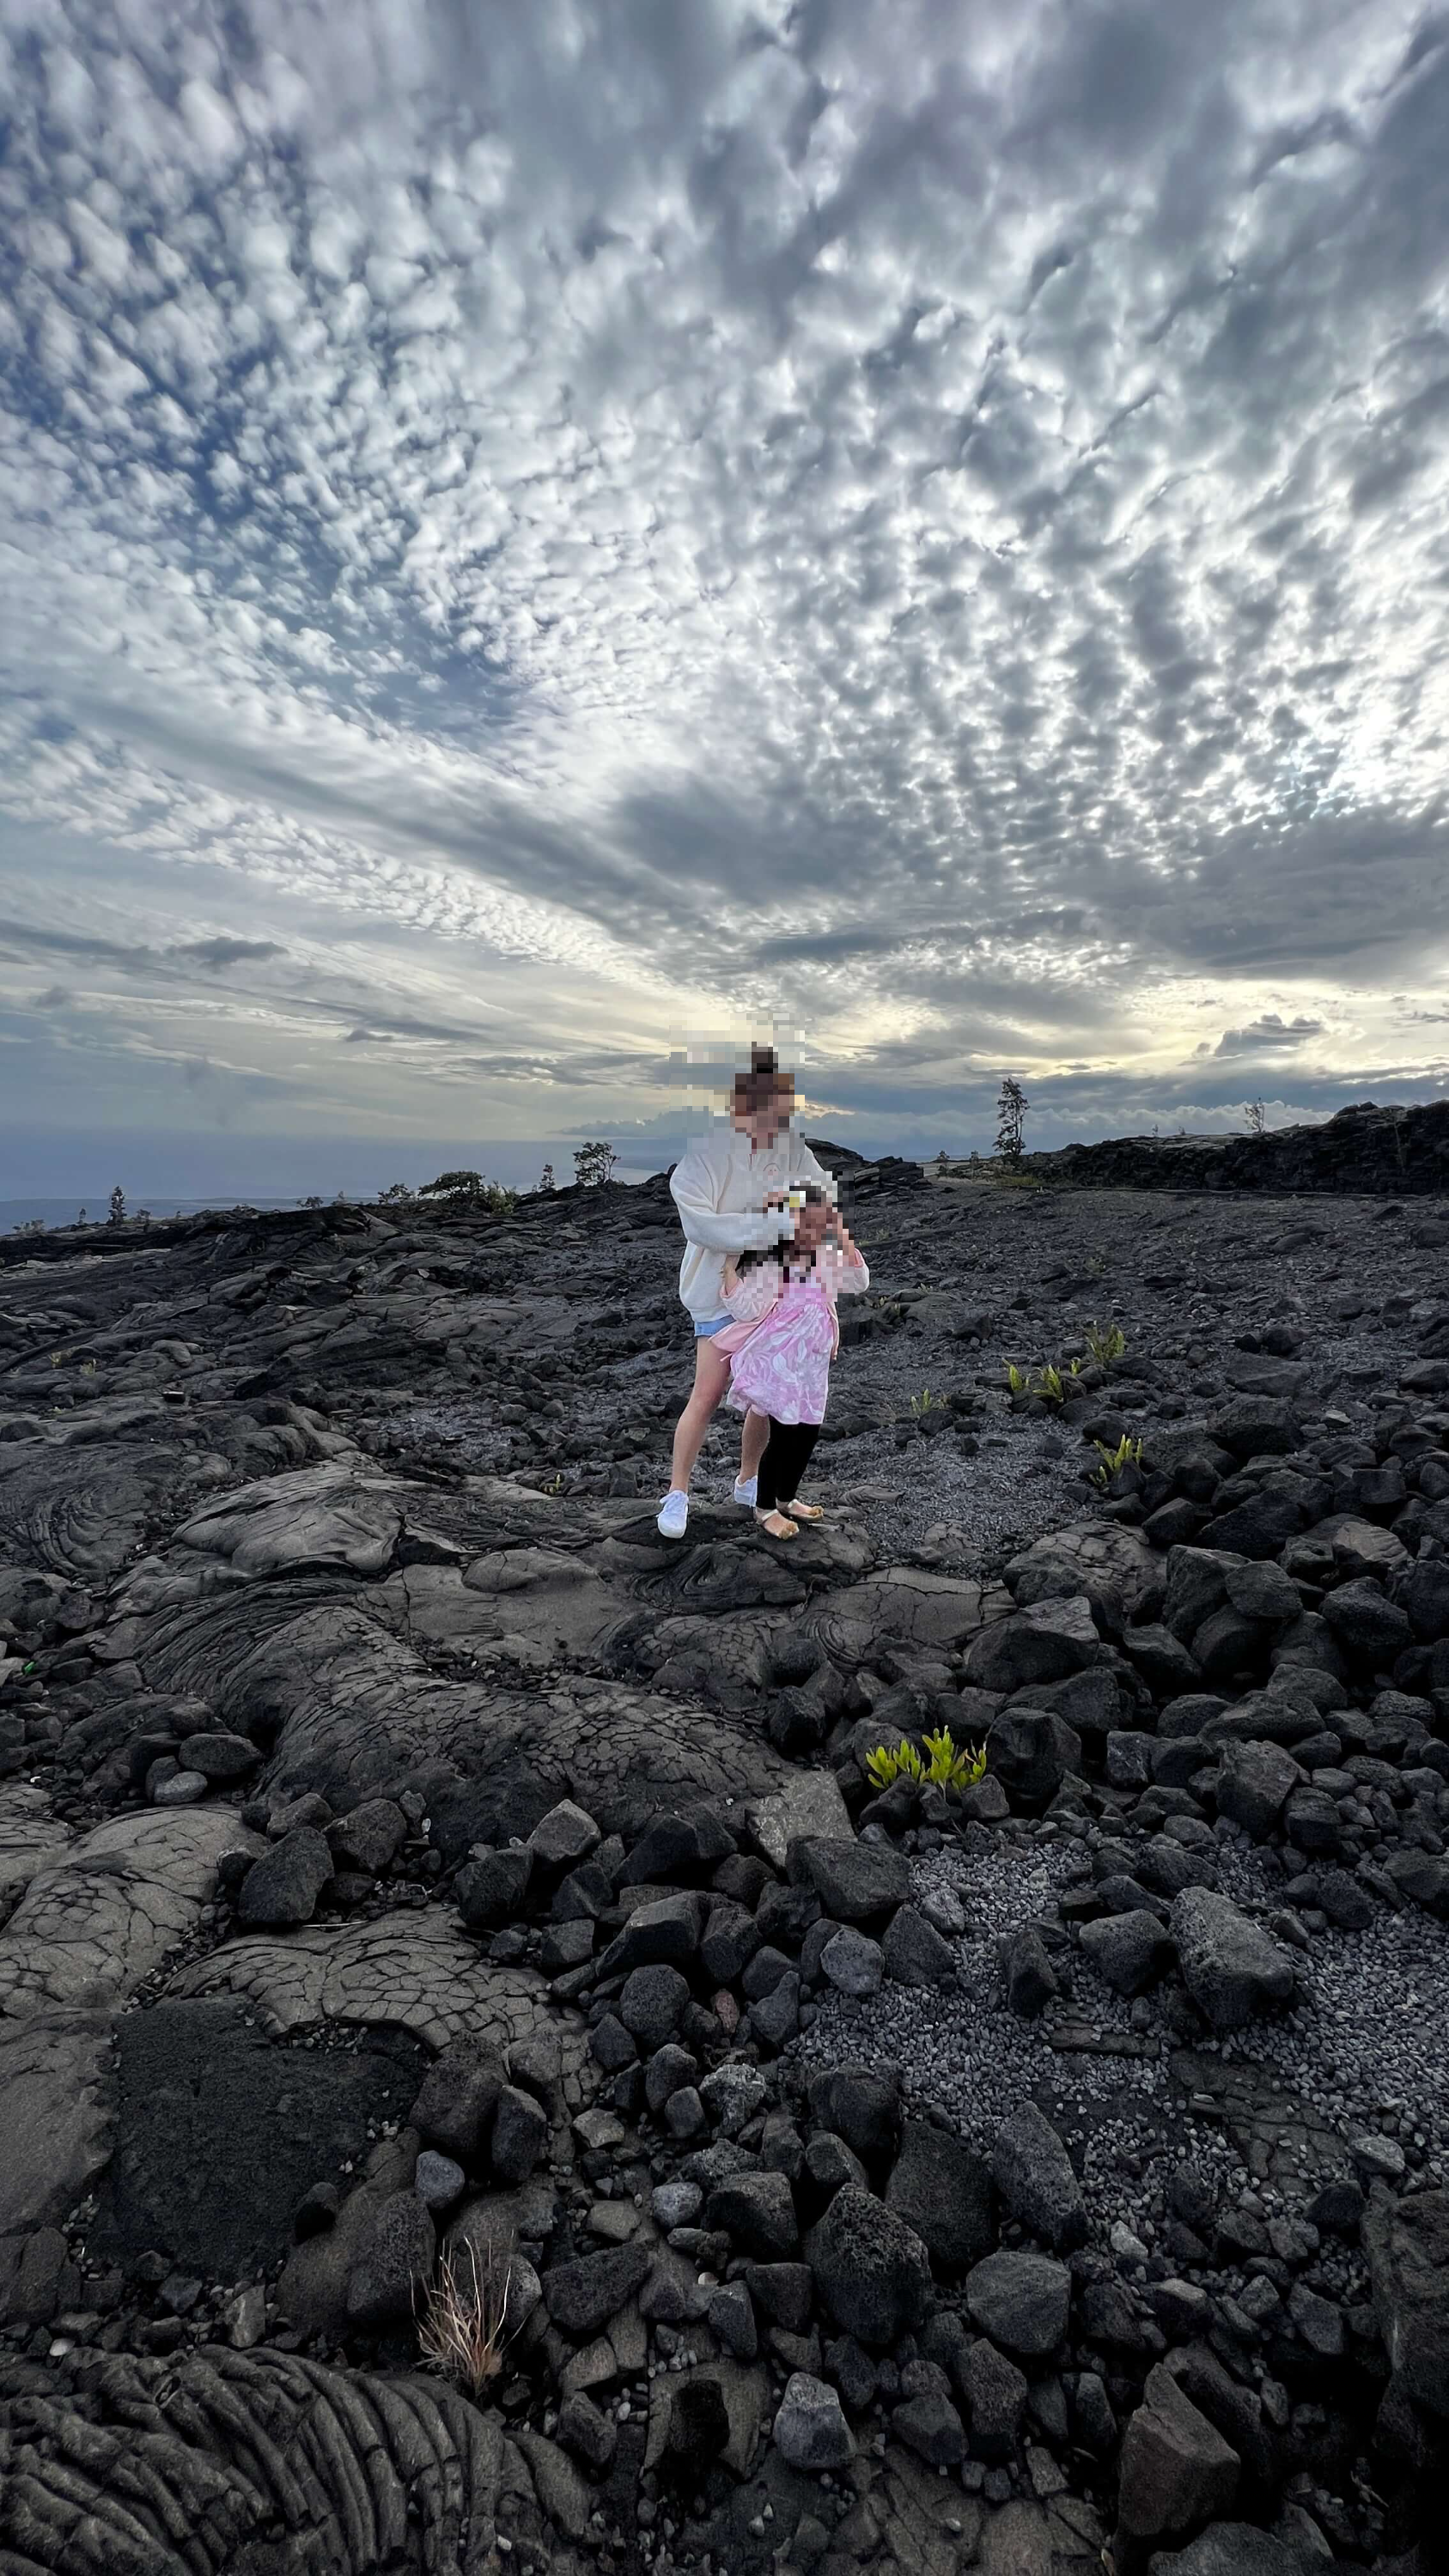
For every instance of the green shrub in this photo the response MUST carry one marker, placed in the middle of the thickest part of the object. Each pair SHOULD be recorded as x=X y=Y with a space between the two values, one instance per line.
x=945 y=1767
x=1106 y=1342
x=470 y=1190
x=1049 y=1382
x=1128 y=1453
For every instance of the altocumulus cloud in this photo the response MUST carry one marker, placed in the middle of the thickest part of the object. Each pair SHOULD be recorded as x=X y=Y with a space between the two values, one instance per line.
x=532 y=535
x=1269 y=1032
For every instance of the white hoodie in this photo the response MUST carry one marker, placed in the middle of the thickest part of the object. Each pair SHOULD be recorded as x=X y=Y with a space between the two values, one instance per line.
x=718 y=1188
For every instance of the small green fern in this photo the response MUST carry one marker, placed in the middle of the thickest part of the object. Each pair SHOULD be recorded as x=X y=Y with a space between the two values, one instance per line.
x=945 y=1766
x=1106 y=1342
x=1128 y=1453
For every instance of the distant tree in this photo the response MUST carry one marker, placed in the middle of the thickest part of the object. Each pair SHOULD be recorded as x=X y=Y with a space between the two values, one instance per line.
x=32 y=1225
x=118 y=1206
x=314 y=1201
x=1011 y=1109
x=1256 y=1115
x=470 y=1190
x=546 y=1179
x=145 y=1215
x=80 y=1220
x=397 y=1194
x=594 y=1163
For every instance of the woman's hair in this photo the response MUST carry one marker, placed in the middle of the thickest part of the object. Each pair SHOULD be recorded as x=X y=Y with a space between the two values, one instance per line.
x=764 y=1082
x=810 y=1194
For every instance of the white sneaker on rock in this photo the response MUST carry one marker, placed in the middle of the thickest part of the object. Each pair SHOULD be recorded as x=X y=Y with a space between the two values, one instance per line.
x=673 y=1515
x=745 y=1493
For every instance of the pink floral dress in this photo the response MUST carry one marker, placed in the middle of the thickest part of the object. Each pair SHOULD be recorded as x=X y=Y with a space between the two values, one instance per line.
x=783 y=1368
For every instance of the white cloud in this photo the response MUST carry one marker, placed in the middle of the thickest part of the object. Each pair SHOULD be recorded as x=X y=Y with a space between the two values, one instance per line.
x=929 y=521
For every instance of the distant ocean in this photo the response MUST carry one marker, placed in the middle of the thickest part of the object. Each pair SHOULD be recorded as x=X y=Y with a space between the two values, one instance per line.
x=15 y=1212
x=58 y=1212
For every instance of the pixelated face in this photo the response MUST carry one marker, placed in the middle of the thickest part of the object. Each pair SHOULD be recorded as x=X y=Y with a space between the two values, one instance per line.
x=810 y=1224
x=762 y=1120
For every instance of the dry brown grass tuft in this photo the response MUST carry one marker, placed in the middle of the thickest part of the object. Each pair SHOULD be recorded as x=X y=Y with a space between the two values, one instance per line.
x=464 y=2324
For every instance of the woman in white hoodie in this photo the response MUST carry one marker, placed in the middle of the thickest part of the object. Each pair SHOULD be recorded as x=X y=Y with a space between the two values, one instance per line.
x=730 y=1193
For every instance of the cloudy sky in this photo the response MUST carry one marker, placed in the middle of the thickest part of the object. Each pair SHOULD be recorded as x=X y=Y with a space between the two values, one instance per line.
x=534 y=540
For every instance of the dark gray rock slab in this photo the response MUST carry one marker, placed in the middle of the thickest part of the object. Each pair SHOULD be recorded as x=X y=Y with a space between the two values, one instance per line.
x=220 y=2132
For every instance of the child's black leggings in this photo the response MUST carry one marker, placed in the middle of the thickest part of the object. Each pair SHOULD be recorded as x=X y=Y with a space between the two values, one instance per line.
x=787 y=1455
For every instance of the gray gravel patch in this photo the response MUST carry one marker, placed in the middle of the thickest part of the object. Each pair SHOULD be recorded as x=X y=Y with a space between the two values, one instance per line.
x=1362 y=2051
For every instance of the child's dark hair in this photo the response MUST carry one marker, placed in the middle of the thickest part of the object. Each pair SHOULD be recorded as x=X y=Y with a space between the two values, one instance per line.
x=813 y=1196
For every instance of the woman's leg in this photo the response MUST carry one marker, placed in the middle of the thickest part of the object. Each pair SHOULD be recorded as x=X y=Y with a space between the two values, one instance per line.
x=766 y=1496
x=711 y=1377
x=752 y=1444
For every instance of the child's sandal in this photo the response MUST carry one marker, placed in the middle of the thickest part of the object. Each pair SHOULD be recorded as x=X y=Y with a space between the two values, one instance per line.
x=807 y=1512
x=775 y=1525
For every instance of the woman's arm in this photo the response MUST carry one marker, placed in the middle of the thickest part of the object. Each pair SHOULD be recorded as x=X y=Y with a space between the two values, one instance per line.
x=754 y=1292
x=692 y=1188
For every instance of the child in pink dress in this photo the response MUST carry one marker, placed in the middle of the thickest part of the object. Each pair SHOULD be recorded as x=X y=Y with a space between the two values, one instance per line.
x=782 y=1342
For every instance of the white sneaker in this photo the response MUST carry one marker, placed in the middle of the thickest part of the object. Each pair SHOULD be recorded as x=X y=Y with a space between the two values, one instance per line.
x=673 y=1515
x=746 y=1493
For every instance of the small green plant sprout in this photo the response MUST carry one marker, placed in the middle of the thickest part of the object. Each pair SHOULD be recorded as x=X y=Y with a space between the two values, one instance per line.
x=1106 y=1342
x=87 y=1368
x=1019 y=1380
x=946 y=1765
x=1048 y=1383
x=1128 y=1453
x=886 y=1767
x=950 y=1768
x=926 y=1402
